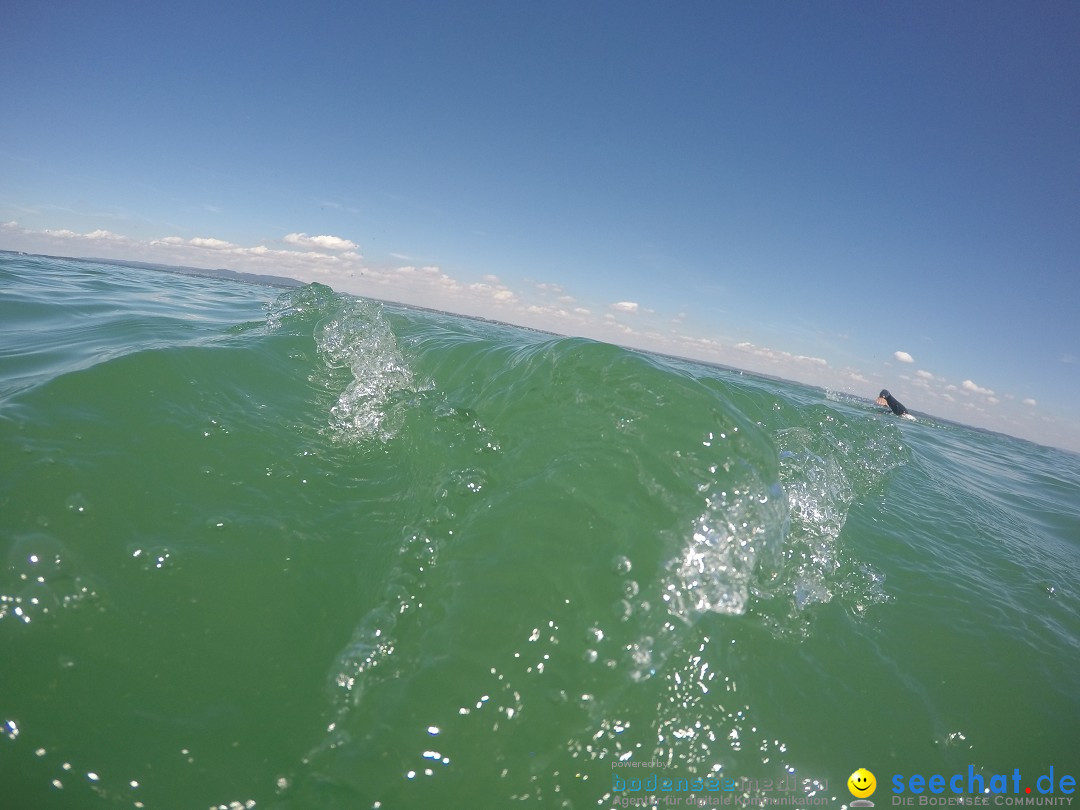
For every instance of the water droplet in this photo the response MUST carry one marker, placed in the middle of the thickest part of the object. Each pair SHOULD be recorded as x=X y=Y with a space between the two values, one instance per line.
x=77 y=503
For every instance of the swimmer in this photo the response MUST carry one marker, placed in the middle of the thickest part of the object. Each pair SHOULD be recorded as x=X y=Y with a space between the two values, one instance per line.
x=886 y=399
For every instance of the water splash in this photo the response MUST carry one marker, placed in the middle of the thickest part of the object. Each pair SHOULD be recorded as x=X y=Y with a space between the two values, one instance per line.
x=359 y=339
x=824 y=472
x=716 y=568
x=358 y=350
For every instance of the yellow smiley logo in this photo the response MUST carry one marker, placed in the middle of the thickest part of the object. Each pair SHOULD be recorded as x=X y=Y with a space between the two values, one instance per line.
x=861 y=783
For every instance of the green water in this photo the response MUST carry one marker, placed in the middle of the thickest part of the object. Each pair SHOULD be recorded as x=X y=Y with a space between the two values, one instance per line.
x=291 y=549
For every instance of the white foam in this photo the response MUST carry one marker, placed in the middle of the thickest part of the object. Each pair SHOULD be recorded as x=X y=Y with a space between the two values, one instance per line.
x=359 y=338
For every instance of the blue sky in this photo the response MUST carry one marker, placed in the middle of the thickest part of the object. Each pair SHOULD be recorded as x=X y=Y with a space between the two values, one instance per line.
x=854 y=195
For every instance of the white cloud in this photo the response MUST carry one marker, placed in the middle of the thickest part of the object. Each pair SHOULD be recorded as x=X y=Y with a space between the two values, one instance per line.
x=569 y=319
x=972 y=388
x=66 y=235
x=426 y=270
x=1029 y=402
x=211 y=243
x=778 y=356
x=926 y=375
x=904 y=357
x=324 y=242
x=106 y=236
x=625 y=306
x=497 y=292
x=707 y=344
